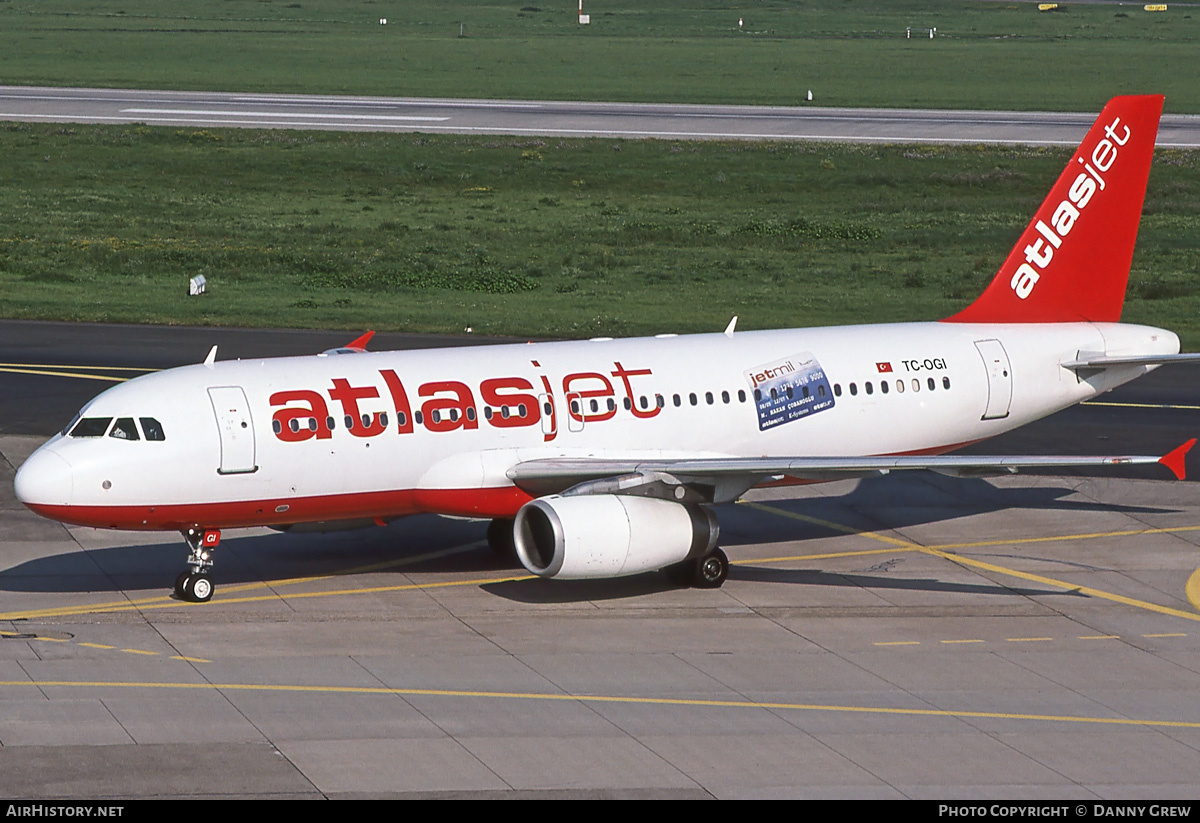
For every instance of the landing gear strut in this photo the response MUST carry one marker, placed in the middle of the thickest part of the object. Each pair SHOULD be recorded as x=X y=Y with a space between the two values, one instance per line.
x=500 y=539
x=195 y=585
x=707 y=572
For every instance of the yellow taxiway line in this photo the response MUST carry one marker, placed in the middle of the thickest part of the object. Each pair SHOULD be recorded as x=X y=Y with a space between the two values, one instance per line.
x=1193 y=587
x=598 y=698
x=167 y=602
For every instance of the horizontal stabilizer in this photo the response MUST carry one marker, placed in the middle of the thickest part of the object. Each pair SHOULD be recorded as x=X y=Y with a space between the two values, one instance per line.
x=1101 y=361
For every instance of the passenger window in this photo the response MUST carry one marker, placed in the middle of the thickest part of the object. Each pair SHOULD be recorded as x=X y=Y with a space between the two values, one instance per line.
x=724 y=397
x=900 y=386
x=677 y=400
x=152 y=429
x=658 y=400
x=741 y=395
x=869 y=387
x=837 y=389
x=470 y=414
x=883 y=386
x=124 y=429
x=91 y=427
x=329 y=421
x=931 y=384
x=945 y=382
x=916 y=384
x=853 y=390
x=708 y=397
x=692 y=398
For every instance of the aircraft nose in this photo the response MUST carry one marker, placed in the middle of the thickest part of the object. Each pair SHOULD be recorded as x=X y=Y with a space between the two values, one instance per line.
x=44 y=479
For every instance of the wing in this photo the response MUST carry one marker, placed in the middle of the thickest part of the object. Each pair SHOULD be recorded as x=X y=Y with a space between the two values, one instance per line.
x=720 y=480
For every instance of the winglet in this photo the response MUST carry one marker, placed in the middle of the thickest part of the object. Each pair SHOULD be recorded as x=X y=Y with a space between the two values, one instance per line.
x=732 y=325
x=212 y=356
x=1173 y=459
x=360 y=343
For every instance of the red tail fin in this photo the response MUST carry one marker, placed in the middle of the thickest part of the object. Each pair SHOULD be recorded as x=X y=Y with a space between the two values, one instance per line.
x=1072 y=261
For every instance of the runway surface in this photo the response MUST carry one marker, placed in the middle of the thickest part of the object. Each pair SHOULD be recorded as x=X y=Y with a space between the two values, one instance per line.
x=551 y=118
x=1029 y=637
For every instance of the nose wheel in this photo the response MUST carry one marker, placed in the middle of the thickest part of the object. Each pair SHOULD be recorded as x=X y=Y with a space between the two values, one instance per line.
x=195 y=585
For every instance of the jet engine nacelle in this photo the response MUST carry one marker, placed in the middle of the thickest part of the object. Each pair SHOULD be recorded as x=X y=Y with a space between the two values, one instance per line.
x=606 y=535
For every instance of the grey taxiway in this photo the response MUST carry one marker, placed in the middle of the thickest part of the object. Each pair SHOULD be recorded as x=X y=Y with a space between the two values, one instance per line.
x=1026 y=637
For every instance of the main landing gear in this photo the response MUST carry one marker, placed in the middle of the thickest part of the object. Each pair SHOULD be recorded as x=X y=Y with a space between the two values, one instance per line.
x=195 y=585
x=501 y=541
x=707 y=572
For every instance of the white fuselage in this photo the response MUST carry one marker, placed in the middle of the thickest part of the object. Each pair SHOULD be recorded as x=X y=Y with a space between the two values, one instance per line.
x=379 y=435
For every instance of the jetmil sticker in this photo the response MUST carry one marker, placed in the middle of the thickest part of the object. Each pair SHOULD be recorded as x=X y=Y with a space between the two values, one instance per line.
x=789 y=389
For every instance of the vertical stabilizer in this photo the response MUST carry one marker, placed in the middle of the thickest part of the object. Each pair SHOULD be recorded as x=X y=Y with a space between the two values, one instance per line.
x=1072 y=261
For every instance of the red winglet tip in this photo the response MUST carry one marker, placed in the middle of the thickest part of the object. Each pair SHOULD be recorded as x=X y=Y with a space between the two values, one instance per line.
x=361 y=342
x=1173 y=459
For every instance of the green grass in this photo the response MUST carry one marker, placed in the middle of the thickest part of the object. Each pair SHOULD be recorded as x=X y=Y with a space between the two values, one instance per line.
x=563 y=237
x=534 y=237
x=849 y=52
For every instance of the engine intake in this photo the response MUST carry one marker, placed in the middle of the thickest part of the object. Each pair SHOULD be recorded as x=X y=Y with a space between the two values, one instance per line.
x=606 y=535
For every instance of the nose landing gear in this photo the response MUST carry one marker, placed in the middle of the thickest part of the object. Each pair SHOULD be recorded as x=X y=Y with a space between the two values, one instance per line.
x=195 y=585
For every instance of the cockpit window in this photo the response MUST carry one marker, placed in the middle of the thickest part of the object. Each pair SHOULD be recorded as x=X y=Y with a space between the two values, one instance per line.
x=152 y=428
x=91 y=427
x=124 y=429
x=71 y=425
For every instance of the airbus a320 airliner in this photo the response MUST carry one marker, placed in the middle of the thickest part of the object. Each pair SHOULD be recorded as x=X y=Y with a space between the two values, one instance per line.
x=603 y=458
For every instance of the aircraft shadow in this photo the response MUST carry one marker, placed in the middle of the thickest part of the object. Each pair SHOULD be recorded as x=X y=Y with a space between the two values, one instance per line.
x=899 y=501
x=427 y=544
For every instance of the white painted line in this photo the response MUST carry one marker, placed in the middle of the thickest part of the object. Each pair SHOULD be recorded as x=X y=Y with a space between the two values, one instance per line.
x=211 y=113
x=384 y=102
